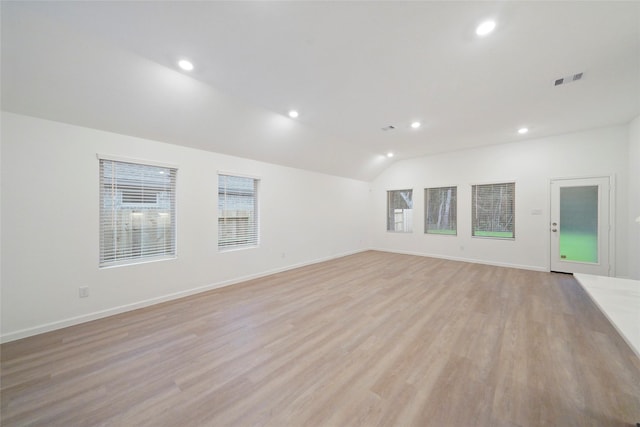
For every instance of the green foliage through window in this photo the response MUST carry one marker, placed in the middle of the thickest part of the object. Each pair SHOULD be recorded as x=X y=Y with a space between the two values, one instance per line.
x=441 y=210
x=493 y=210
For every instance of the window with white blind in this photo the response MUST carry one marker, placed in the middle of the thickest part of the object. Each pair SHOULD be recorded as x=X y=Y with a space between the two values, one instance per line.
x=137 y=212
x=237 y=212
x=400 y=211
x=441 y=210
x=493 y=210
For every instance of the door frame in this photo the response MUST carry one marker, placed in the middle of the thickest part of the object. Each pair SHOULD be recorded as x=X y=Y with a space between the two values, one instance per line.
x=612 y=217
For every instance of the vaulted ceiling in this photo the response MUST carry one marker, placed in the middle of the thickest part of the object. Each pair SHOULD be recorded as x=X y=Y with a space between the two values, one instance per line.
x=351 y=69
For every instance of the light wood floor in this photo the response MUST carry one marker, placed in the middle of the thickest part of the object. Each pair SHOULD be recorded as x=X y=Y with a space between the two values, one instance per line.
x=366 y=340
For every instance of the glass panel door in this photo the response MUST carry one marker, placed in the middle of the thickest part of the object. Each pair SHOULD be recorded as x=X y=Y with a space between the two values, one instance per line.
x=579 y=232
x=579 y=223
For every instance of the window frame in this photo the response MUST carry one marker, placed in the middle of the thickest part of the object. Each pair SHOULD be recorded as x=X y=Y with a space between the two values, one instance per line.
x=408 y=229
x=426 y=210
x=474 y=214
x=108 y=253
x=254 y=236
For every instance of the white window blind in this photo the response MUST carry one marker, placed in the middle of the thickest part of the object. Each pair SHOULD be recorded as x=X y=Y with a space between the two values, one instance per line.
x=441 y=210
x=137 y=212
x=237 y=212
x=400 y=210
x=493 y=210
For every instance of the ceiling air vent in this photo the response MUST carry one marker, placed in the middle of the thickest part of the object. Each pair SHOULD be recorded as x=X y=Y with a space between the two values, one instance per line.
x=568 y=79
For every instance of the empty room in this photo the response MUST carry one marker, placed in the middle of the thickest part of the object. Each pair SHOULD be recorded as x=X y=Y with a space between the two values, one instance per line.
x=320 y=213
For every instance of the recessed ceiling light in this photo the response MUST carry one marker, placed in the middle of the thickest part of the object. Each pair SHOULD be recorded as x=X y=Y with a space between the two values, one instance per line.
x=293 y=114
x=389 y=154
x=185 y=65
x=485 y=28
x=522 y=131
x=415 y=125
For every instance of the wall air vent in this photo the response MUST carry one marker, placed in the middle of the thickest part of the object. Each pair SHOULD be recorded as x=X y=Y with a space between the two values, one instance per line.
x=568 y=79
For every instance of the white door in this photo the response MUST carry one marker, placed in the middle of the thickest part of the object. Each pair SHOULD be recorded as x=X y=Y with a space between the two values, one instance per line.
x=580 y=225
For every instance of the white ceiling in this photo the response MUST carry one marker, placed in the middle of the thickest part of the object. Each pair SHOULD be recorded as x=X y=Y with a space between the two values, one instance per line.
x=350 y=68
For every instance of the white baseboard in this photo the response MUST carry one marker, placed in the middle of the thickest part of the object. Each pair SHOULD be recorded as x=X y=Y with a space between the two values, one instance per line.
x=71 y=321
x=470 y=260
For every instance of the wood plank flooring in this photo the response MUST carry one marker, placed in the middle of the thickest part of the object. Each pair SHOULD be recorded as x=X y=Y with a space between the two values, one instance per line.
x=372 y=339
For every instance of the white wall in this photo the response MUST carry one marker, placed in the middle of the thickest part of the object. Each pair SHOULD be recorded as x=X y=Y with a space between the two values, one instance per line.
x=50 y=224
x=49 y=176
x=634 y=199
x=531 y=164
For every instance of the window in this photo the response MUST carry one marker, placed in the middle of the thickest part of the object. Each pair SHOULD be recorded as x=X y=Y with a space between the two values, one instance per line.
x=441 y=210
x=400 y=210
x=137 y=212
x=237 y=212
x=493 y=210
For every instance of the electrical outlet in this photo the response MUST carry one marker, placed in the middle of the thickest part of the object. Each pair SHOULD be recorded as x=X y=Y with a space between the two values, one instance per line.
x=83 y=291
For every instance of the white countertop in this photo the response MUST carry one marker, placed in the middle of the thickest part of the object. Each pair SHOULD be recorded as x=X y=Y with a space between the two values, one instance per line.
x=619 y=300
